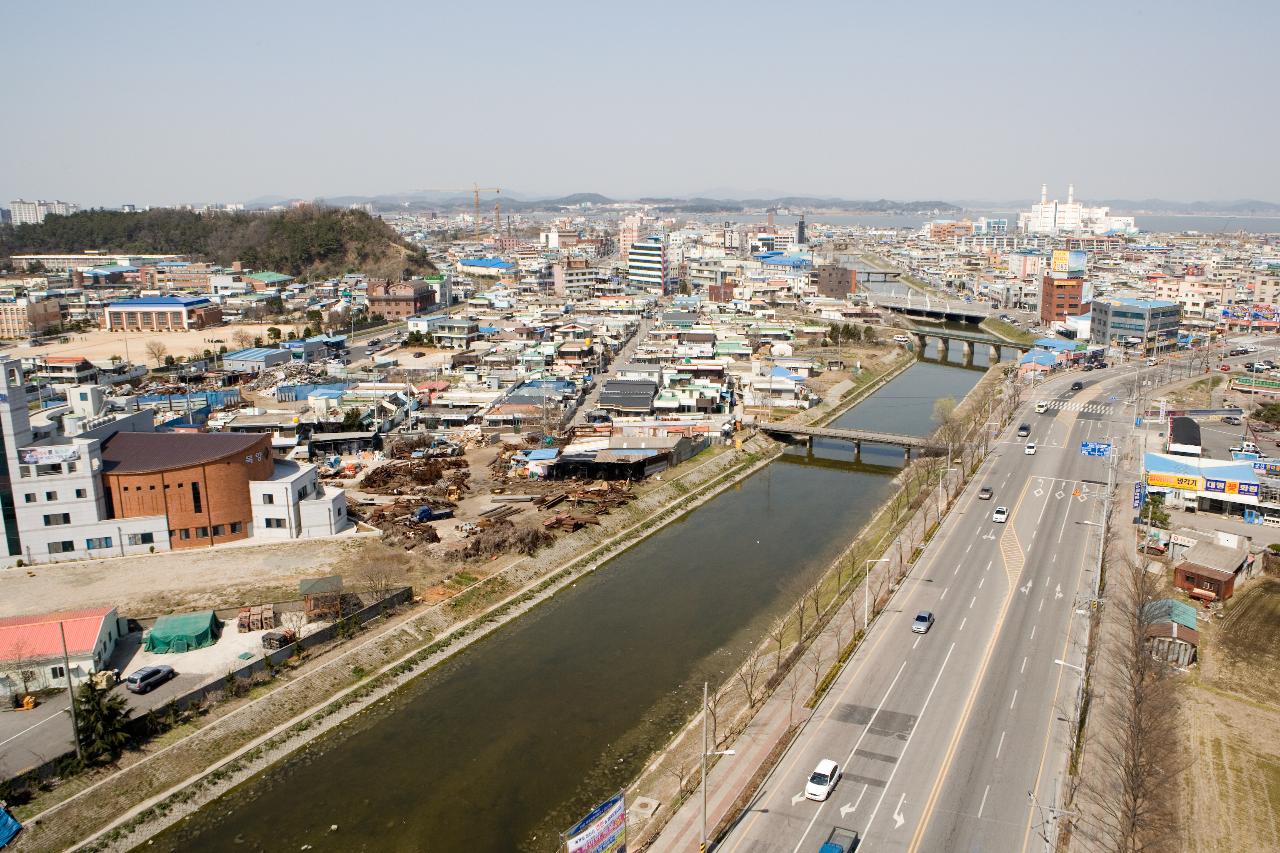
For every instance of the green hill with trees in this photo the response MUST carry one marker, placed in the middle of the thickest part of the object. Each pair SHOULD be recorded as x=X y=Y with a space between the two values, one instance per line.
x=309 y=242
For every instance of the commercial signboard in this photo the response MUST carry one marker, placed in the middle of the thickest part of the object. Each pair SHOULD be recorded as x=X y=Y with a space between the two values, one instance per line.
x=52 y=455
x=1270 y=469
x=1182 y=482
x=602 y=831
x=1230 y=487
x=1068 y=262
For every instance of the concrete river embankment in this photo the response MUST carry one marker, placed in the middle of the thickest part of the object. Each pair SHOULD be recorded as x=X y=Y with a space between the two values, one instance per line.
x=513 y=738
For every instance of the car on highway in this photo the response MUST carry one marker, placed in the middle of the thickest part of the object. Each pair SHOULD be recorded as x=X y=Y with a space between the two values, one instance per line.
x=822 y=781
x=1024 y=430
x=1001 y=515
x=148 y=678
x=985 y=493
x=1225 y=368
x=1077 y=386
x=1041 y=407
x=1030 y=449
x=923 y=622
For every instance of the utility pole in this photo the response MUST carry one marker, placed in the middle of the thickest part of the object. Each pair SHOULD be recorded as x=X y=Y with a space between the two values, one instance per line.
x=71 y=693
x=703 y=846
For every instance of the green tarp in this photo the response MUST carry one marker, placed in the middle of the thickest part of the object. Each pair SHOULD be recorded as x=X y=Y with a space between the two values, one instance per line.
x=183 y=632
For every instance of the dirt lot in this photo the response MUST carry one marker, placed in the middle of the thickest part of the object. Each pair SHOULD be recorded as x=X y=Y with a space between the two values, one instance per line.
x=221 y=577
x=1231 y=712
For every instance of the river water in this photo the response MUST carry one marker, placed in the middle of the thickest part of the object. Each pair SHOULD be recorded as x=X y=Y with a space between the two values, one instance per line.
x=517 y=736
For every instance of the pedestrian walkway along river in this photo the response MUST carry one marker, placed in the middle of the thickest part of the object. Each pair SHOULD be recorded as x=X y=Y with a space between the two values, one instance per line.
x=512 y=739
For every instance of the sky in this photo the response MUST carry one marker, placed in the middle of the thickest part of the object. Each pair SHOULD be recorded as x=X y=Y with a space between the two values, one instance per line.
x=166 y=103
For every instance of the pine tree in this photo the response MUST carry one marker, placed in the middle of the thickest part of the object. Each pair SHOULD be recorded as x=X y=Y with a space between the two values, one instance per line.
x=102 y=719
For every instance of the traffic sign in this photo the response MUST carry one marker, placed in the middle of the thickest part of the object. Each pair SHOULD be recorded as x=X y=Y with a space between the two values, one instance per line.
x=1095 y=448
x=1139 y=495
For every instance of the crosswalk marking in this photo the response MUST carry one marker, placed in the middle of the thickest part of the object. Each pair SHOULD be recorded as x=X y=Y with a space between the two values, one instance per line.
x=1076 y=406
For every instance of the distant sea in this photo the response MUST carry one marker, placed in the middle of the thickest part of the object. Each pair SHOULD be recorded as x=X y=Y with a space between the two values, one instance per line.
x=1155 y=224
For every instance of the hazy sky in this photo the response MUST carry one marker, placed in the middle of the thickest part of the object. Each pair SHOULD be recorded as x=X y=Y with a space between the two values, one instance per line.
x=164 y=102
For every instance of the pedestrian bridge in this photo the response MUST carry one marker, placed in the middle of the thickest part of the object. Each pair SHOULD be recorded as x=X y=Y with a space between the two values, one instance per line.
x=926 y=446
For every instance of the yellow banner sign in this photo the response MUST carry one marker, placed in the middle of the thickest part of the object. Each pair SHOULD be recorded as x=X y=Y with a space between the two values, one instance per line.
x=1176 y=481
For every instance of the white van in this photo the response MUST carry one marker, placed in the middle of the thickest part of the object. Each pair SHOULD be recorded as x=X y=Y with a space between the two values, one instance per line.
x=1041 y=407
x=901 y=339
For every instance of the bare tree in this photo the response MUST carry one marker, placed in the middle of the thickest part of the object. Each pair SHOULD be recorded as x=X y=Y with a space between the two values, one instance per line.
x=22 y=661
x=715 y=702
x=678 y=769
x=800 y=618
x=241 y=338
x=813 y=662
x=380 y=573
x=157 y=350
x=815 y=598
x=1138 y=766
x=777 y=632
x=751 y=677
x=792 y=687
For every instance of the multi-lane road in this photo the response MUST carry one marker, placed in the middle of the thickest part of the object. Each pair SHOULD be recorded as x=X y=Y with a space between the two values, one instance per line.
x=955 y=740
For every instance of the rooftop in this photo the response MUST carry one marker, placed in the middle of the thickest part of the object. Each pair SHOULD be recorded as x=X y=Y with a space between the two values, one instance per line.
x=38 y=637
x=159 y=301
x=142 y=452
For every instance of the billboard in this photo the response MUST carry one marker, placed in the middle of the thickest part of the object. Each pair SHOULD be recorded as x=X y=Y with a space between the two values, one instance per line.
x=1068 y=262
x=52 y=455
x=1175 y=481
x=602 y=831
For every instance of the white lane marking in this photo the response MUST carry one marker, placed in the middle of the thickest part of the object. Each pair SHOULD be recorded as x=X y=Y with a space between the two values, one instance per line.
x=970 y=548
x=1041 y=607
x=971 y=601
x=858 y=801
x=1033 y=632
x=1023 y=668
x=916 y=643
x=906 y=745
x=1055 y=557
x=858 y=744
x=944 y=592
x=1015 y=699
x=956 y=570
x=983 y=804
x=989 y=565
x=1000 y=746
x=962 y=621
x=981 y=581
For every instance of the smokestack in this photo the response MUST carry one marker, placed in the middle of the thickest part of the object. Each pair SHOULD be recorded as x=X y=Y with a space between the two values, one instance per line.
x=1044 y=193
x=1071 y=193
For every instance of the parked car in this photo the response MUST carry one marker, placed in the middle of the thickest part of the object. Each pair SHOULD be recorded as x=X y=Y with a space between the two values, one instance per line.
x=822 y=781
x=985 y=493
x=923 y=622
x=1001 y=515
x=1030 y=449
x=419 y=354
x=148 y=678
x=1088 y=365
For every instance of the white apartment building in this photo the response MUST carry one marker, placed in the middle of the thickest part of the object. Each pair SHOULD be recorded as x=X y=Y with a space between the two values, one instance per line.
x=23 y=212
x=1070 y=217
x=647 y=263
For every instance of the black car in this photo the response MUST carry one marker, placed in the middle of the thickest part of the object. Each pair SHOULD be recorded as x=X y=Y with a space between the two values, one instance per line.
x=1024 y=430
x=148 y=678
x=1077 y=386
x=1088 y=365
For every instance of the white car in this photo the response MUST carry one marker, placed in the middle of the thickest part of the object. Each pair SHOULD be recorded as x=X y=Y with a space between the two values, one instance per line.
x=1000 y=515
x=901 y=339
x=1042 y=407
x=1030 y=449
x=822 y=781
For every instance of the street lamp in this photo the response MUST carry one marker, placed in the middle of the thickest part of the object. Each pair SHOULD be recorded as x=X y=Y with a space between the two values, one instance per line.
x=866 y=592
x=1070 y=665
x=705 y=753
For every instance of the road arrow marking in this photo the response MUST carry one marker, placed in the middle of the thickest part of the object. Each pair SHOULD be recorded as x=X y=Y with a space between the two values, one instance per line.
x=898 y=819
x=1038 y=492
x=1026 y=589
x=1058 y=494
x=796 y=798
x=1057 y=593
x=845 y=809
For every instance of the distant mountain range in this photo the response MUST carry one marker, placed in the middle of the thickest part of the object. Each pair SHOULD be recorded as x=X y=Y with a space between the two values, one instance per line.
x=513 y=202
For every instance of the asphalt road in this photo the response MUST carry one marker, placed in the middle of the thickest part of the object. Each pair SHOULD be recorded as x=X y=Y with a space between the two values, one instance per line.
x=944 y=736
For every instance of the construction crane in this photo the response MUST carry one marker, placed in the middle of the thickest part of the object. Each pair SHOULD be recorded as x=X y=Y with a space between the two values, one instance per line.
x=475 y=190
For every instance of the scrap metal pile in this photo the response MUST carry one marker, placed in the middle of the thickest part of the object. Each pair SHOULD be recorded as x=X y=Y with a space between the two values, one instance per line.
x=442 y=478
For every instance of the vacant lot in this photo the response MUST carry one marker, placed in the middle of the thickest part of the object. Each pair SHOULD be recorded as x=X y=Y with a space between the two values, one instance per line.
x=1231 y=712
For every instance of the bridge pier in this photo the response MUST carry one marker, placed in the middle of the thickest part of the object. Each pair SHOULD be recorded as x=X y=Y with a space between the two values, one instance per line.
x=967 y=349
x=944 y=349
x=995 y=353
x=922 y=343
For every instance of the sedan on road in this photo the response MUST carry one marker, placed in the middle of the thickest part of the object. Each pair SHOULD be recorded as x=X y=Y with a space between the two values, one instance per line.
x=985 y=493
x=1001 y=515
x=822 y=781
x=923 y=622
x=148 y=678
x=1030 y=449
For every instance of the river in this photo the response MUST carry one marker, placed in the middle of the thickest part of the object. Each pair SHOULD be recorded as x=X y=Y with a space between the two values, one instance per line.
x=515 y=737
